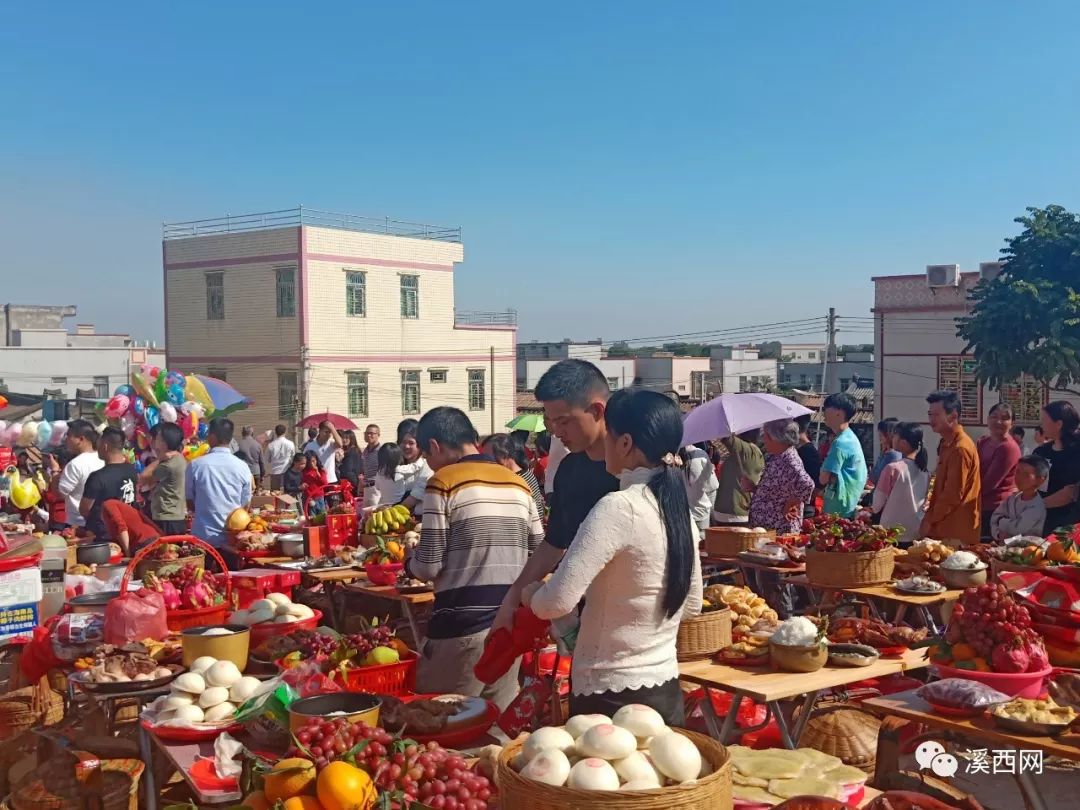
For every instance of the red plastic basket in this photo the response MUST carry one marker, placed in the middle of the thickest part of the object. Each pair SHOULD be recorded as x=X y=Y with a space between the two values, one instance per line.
x=264 y=630
x=182 y=619
x=389 y=679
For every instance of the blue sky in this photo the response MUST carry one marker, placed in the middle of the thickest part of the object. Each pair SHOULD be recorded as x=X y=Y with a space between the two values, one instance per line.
x=619 y=169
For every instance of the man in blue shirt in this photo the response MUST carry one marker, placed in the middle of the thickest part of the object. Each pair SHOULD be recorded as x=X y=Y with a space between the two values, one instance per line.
x=216 y=484
x=843 y=473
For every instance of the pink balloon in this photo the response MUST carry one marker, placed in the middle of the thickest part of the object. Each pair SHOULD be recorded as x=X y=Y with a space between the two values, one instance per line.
x=117 y=406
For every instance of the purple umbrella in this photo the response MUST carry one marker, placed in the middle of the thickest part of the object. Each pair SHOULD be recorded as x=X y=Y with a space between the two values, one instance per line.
x=732 y=414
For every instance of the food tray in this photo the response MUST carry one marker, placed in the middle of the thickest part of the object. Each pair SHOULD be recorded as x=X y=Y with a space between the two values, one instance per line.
x=120 y=687
x=182 y=734
x=458 y=735
x=919 y=592
x=1029 y=728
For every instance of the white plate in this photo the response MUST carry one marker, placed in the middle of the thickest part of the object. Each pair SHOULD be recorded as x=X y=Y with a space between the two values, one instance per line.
x=470 y=710
x=919 y=591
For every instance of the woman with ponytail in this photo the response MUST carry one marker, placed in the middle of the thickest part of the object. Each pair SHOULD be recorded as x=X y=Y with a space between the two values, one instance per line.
x=635 y=562
x=900 y=496
x=1061 y=426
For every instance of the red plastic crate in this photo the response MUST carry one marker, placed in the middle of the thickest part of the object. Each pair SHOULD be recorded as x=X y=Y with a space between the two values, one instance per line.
x=255 y=583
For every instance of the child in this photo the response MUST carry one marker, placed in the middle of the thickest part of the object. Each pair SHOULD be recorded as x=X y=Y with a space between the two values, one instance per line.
x=1023 y=513
x=900 y=495
x=292 y=479
x=314 y=485
x=389 y=483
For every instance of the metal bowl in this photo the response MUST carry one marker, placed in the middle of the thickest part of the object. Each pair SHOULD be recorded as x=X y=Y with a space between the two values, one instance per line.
x=92 y=553
x=958 y=578
x=91 y=602
x=291 y=545
x=1030 y=729
x=356 y=707
x=852 y=655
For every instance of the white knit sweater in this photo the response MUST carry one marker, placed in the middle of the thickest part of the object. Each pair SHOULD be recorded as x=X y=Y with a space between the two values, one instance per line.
x=617 y=562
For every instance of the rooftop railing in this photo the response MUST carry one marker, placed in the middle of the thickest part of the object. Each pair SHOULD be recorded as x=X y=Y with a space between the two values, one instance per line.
x=506 y=318
x=291 y=217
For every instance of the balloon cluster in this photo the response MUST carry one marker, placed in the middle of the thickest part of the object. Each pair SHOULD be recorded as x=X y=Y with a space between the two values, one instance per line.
x=46 y=435
x=158 y=395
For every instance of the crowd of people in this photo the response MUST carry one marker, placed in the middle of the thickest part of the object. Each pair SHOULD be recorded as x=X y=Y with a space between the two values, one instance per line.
x=600 y=520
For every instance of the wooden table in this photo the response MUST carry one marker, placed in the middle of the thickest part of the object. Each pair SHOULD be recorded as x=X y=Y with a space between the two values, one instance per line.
x=903 y=601
x=909 y=706
x=180 y=757
x=406 y=600
x=774 y=688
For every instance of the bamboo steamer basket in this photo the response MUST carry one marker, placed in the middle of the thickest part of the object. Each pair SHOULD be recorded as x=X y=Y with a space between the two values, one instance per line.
x=712 y=792
x=857 y=569
x=728 y=541
x=845 y=731
x=22 y=709
x=54 y=786
x=704 y=635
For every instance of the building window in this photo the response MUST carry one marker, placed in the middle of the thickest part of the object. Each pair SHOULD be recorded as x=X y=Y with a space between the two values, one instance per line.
x=476 y=389
x=218 y=374
x=286 y=292
x=101 y=387
x=1026 y=397
x=215 y=296
x=410 y=296
x=742 y=384
x=59 y=380
x=613 y=383
x=958 y=374
x=356 y=294
x=437 y=375
x=410 y=392
x=811 y=355
x=357 y=384
x=287 y=394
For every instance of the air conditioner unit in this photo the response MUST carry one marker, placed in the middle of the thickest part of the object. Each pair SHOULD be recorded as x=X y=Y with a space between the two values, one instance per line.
x=988 y=271
x=942 y=275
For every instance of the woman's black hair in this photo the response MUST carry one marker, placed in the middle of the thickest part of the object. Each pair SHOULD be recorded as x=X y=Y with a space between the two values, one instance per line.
x=886 y=426
x=390 y=458
x=655 y=424
x=911 y=433
x=1061 y=411
x=543 y=443
x=298 y=457
x=507 y=445
x=405 y=429
x=310 y=456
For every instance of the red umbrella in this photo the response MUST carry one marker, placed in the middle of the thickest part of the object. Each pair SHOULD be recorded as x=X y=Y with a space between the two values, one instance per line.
x=337 y=420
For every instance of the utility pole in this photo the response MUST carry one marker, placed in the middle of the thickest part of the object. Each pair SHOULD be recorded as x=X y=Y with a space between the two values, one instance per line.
x=492 y=395
x=832 y=372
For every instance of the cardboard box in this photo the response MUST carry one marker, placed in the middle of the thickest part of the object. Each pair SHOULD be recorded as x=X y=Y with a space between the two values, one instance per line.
x=18 y=620
x=315 y=541
x=21 y=587
x=264 y=502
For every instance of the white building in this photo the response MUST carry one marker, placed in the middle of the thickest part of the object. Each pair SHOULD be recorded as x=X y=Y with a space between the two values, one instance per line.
x=306 y=311
x=739 y=368
x=665 y=372
x=535 y=357
x=918 y=352
x=802 y=352
x=39 y=354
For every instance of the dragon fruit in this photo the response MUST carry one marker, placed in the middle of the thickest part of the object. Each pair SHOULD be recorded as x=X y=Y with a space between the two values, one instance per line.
x=197 y=594
x=169 y=594
x=1010 y=656
x=1038 y=660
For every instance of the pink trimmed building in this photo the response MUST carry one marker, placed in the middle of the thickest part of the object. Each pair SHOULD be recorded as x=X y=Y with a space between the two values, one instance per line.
x=308 y=311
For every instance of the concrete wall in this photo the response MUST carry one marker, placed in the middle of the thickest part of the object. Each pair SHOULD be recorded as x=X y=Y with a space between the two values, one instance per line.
x=31 y=370
x=727 y=373
x=915 y=331
x=619 y=371
x=801 y=352
x=670 y=373
x=252 y=345
x=29 y=316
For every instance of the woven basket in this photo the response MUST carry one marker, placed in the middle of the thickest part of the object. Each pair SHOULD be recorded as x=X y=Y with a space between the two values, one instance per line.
x=703 y=635
x=728 y=541
x=844 y=731
x=153 y=566
x=713 y=792
x=836 y=569
x=54 y=786
x=22 y=709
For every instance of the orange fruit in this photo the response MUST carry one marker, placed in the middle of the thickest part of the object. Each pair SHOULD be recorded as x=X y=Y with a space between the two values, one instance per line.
x=302 y=803
x=342 y=786
x=401 y=647
x=256 y=801
x=288 y=778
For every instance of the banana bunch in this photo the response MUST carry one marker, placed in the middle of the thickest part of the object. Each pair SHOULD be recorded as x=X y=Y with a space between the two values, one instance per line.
x=388 y=520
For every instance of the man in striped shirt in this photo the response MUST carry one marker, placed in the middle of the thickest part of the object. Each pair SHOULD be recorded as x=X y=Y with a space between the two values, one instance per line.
x=480 y=526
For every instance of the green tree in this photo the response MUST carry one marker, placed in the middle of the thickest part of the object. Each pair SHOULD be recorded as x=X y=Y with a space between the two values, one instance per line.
x=770 y=350
x=1027 y=320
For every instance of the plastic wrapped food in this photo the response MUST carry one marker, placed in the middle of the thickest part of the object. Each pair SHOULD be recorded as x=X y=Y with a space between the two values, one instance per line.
x=960 y=693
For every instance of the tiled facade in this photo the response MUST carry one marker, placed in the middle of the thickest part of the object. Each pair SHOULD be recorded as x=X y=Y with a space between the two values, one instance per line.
x=324 y=333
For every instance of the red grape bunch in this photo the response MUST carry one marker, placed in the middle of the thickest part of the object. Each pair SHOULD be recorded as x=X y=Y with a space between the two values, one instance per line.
x=416 y=772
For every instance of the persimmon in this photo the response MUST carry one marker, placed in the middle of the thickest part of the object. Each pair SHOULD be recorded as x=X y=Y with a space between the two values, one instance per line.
x=302 y=803
x=1063 y=551
x=288 y=778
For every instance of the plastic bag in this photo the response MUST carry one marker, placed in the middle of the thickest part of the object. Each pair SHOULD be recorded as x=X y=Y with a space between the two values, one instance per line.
x=265 y=716
x=135 y=616
x=960 y=693
x=306 y=678
x=77 y=634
